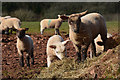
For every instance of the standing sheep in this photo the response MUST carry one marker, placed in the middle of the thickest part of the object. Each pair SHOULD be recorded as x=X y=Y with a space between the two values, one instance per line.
x=24 y=44
x=51 y=23
x=55 y=48
x=83 y=31
x=10 y=23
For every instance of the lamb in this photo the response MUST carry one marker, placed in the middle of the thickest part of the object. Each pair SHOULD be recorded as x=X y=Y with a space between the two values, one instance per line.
x=55 y=48
x=84 y=29
x=24 y=44
x=51 y=23
x=10 y=23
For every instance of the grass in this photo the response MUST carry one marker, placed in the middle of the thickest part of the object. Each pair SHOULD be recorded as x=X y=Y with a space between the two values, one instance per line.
x=34 y=27
x=105 y=65
x=112 y=26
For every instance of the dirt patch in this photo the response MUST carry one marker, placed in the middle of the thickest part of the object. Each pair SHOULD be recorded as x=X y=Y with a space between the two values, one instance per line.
x=10 y=57
x=12 y=69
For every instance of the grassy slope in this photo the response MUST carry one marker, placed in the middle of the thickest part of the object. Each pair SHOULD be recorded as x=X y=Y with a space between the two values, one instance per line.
x=35 y=27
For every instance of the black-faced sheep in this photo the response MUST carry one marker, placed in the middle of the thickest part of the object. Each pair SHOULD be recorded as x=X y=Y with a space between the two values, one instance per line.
x=84 y=29
x=24 y=44
x=51 y=23
x=55 y=48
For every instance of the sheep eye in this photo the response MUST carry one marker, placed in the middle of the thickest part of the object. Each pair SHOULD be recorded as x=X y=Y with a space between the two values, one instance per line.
x=56 y=51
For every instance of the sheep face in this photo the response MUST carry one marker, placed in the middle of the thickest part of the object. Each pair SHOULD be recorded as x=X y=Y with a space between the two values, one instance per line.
x=21 y=32
x=74 y=22
x=60 y=49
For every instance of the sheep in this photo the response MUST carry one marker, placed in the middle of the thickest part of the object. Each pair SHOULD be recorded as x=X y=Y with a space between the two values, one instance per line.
x=24 y=44
x=10 y=23
x=83 y=29
x=100 y=48
x=111 y=42
x=55 y=48
x=51 y=23
x=99 y=45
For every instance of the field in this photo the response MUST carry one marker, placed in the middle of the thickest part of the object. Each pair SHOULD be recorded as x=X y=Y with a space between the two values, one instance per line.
x=112 y=27
x=10 y=61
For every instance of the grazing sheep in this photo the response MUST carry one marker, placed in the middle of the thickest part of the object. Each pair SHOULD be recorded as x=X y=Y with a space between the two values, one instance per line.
x=99 y=45
x=111 y=42
x=55 y=48
x=24 y=44
x=51 y=23
x=83 y=31
x=10 y=23
x=98 y=39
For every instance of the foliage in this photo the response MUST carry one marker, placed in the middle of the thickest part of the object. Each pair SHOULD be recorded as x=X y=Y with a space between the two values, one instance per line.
x=42 y=10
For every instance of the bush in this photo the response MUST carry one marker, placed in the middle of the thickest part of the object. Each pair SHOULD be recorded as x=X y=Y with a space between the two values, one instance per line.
x=24 y=15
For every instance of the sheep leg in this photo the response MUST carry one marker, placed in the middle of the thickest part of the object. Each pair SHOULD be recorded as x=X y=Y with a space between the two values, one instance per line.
x=21 y=59
x=48 y=61
x=32 y=58
x=28 y=60
x=84 y=52
x=42 y=30
x=93 y=49
x=77 y=48
x=57 y=32
x=104 y=38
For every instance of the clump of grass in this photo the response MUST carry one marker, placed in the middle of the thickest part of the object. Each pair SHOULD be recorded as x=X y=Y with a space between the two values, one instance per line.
x=105 y=66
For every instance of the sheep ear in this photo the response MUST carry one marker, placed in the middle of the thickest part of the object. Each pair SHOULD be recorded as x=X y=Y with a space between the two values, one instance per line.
x=64 y=17
x=52 y=46
x=100 y=43
x=83 y=13
x=26 y=29
x=65 y=42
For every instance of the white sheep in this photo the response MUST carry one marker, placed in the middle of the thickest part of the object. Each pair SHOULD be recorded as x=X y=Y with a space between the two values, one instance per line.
x=51 y=23
x=10 y=23
x=55 y=48
x=24 y=44
x=83 y=31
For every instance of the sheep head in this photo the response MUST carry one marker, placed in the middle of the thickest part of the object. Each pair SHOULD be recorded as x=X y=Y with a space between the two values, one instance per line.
x=59 y=48
x=21 y=32
x=74 y=20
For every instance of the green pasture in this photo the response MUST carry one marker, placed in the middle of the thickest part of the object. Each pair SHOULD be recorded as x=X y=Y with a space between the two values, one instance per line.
x=34 y=27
